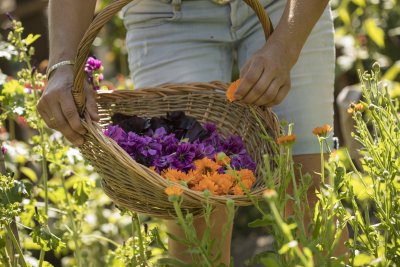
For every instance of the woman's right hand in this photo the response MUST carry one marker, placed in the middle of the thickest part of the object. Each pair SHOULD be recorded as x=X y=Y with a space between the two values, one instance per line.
x=57 y=106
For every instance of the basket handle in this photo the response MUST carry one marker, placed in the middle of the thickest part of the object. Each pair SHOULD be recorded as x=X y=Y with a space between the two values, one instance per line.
x=103 y=17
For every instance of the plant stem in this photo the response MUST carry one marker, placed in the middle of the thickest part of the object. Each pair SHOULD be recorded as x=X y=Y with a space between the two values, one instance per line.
x=287 y=233
x=74 y=227
x=41 y=257
x=16 y=245
x=135 y=219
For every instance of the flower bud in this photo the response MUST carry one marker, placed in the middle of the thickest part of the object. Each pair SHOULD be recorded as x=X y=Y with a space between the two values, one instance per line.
x=376 y=67
x=270 y=194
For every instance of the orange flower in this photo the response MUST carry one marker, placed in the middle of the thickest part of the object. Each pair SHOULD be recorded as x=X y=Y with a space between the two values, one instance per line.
x=223 y=181
x=174 y=175
x=323 y=130
x=237 y=190
x=286 y=139
x=206 y=184
x=206 y=166
x=355 y=107
x=247 y=175
x=173 y=191
x=230 y=93
x=193 y=178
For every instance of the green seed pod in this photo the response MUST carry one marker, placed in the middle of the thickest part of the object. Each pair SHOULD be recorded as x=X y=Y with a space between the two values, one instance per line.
x=376 y=67
x=371 y=107
x=385 y=174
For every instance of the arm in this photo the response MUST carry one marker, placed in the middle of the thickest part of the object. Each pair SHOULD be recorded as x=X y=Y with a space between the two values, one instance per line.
x=68 y=21
x=265 y=78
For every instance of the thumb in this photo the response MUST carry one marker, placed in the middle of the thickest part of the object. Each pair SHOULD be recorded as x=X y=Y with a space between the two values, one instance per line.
x=91 y=105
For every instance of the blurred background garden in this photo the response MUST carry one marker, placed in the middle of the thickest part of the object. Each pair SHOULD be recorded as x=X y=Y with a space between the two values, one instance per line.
x=367 y=31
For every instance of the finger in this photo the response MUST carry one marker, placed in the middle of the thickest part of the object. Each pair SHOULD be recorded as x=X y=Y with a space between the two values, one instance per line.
x=245 y=68
x=250 y=78
x=71 y=114
x=259 y=89
x=283 y=92
x=58 y=122
x=91 y=105
x=270 y=93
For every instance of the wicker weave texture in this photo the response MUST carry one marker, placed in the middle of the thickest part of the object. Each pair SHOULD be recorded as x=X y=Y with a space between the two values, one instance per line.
x=135 y=187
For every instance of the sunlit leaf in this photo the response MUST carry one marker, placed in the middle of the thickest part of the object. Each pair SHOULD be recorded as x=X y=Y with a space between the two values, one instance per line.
x=376 y=34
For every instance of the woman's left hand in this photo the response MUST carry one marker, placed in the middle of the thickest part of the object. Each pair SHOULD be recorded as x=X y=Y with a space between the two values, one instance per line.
x=265 y=78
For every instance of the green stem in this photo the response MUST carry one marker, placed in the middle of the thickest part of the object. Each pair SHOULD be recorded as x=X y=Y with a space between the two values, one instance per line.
x=181 y=220
x=6 y=258
x=287 y=233
x=16 y=245
x=135 y=219
x=41 y=257
x=75 y=234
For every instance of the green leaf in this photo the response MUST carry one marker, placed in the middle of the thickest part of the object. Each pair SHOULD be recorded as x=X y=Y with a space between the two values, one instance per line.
x=30 y=39
x=376 y=34
x=285 y=248
x=28 y=172
x=270 y=262
x=392 y=73
x=362 y=260
x=360 y=3
x=265 y=221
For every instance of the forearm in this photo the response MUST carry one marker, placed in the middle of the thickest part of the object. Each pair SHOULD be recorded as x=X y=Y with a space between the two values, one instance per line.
x=296 y=23
x=68 y=21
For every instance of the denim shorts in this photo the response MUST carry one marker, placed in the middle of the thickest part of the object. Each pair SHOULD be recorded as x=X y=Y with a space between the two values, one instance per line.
x=182 y=41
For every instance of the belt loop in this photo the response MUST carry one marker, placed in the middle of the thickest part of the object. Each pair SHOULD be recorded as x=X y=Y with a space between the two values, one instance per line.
x=177 y=4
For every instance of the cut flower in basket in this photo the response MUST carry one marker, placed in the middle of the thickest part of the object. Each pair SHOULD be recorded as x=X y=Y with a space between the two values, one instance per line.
x=181 y=150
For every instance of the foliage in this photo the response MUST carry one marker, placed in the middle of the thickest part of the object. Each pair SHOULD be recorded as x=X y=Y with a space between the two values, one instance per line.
x=56 y=201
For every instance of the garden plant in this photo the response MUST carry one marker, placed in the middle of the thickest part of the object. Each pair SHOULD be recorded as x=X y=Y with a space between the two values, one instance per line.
x=53 y=211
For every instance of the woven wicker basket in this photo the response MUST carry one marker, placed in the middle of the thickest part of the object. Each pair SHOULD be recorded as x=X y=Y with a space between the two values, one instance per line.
x=134 y=186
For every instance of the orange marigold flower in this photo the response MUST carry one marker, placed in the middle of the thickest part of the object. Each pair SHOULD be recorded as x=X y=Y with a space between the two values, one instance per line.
x=246 y=174
x=286 y=139
x=173 y=191
x=223 y=181
x=355 y=107
x=206 y=184
x=323 y=130
x=206 y=166
x=193 y=178
x=230 y=92
x=174 y=175
x=237 y=190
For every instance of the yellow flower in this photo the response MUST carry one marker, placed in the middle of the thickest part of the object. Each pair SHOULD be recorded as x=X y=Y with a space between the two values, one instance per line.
x=323 y=130
x=173 y=191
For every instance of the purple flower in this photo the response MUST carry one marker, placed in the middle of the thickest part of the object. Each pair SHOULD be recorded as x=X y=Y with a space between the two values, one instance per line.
x=210 y=127
x=203 y=150
x=243 y=162
x=183 y=158
x=3 y=150
x=116 y=133
x=233 y=145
